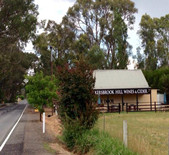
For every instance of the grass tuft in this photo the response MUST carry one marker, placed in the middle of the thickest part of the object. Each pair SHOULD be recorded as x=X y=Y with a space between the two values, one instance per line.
x=48 y=148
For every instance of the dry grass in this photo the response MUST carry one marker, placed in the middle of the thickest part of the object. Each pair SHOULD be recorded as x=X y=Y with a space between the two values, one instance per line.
x=147 y=132
x=54 y=128
x=53 y=125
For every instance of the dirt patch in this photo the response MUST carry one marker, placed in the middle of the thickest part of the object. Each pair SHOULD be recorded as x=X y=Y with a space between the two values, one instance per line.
x=59 y=149
x=53 y=125
x=54 y=128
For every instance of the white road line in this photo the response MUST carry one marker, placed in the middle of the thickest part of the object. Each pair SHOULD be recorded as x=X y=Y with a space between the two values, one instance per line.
x=3 y=144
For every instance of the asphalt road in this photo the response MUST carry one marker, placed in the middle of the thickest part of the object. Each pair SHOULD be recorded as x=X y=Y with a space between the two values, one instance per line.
x=27 y=138
x=8 y=117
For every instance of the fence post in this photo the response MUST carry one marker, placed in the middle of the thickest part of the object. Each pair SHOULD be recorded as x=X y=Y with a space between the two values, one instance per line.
x=119 y=108
x=108 y=103
x=137 y=101
x=155 y=106
x=125 y=132
x=44 y=122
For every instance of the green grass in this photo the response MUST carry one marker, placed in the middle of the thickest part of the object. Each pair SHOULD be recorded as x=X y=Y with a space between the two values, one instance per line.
x=100 y=143
x=48 y=148
x=147 y=132
x=103 y=144
x=93 y=142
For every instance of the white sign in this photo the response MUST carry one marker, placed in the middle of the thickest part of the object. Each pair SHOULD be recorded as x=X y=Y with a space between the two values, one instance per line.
x=123 y=91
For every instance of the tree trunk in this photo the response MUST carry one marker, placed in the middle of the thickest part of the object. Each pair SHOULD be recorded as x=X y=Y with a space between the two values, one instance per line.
x=40 y=116
x=113 y=61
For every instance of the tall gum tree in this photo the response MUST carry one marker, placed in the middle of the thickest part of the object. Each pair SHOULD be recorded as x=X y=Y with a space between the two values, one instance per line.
x=154 y=33
x=105 y=22
x=18 y=21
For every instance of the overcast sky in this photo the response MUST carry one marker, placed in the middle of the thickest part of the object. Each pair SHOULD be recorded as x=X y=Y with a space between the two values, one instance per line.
x=56 y=9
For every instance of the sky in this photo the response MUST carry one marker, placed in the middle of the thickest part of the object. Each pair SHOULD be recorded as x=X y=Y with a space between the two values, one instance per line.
x=56 y=9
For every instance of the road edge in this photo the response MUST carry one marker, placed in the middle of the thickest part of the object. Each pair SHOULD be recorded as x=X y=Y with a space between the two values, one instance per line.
x=8 y=136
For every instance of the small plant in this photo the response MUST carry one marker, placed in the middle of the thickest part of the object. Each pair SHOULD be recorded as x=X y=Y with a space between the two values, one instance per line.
x=20 y=96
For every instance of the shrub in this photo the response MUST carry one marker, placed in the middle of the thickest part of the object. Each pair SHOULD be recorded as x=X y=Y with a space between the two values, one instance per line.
x=77 y=102
x=77 y=108
x=77 y=138
x=86 y=141
x=71 y=133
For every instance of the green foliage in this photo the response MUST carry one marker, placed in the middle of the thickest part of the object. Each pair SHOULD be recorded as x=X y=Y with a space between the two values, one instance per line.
x=77 y=101
x=140 y=59
x=101 y=143
x=18 y=20
x=105 y=24
x=96 y=58
x=20 y=96
x=13 y=67
x=41 y=90
x=91 y=24
x=82 y=45
x=155 y=42
x=77 y=108
x=71 y=133
x=41 y=46
x=159 y=79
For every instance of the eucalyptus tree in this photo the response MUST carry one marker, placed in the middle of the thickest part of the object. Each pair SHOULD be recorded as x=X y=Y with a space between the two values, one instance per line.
x=41 y=48
x=105 y=23
x=140 y=59
x=61 y=41
x=13 y=67
x=18 y=21
x=162 y=27
x=69 y=49
x=60 y=37
x=154 y=33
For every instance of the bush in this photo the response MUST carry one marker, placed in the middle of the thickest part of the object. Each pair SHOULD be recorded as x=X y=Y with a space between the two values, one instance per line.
x=86 y=141
x=70 y=134
x=77 y=95
x=77 y=108
x=76 y=138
